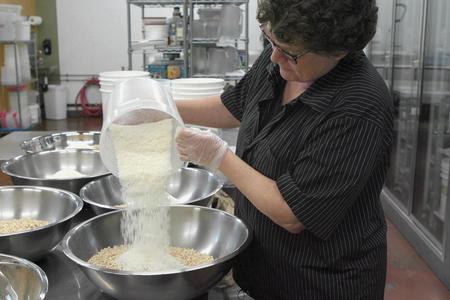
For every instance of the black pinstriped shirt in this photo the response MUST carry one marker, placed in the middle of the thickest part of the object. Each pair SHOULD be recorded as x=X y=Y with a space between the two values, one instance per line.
x=328 y=152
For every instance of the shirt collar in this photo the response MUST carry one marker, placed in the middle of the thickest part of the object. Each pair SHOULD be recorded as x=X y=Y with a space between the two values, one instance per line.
x=321 y=93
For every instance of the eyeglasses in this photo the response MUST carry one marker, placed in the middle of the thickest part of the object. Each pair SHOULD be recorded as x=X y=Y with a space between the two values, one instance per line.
x=292 y=57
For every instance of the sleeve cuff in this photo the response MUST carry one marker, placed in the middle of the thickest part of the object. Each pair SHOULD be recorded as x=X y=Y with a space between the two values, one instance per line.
x=305 y=208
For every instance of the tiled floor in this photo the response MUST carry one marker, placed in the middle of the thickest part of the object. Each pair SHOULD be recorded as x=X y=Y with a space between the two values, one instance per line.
x=408 y=277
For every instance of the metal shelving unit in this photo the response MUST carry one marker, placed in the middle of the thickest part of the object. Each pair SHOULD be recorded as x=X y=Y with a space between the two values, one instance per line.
x=188 y=42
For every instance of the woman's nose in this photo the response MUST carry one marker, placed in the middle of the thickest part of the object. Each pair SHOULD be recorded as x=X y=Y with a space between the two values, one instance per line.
x=277 y=56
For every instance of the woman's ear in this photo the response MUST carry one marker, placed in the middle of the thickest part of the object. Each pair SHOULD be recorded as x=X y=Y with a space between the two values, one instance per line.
x=339 y=55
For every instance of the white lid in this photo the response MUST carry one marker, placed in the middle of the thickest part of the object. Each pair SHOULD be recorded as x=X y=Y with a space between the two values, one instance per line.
x=12 y=8
x=122 y=74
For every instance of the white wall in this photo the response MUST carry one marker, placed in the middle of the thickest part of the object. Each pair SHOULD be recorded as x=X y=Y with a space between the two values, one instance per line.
x=92 y=36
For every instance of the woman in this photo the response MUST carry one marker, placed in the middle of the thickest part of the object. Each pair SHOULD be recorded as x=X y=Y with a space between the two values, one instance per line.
x=315 y=132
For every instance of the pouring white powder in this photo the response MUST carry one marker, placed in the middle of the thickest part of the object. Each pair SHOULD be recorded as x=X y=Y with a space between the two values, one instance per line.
x=143 y=154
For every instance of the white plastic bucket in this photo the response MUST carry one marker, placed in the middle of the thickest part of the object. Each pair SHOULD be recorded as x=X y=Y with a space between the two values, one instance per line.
x=109 y=79
x=8 y=75
x=122 y=74
x=23 y=30
x=55 y=102
x=7 y=28
x=14 y=95
x=13 y=119
x=8 y=71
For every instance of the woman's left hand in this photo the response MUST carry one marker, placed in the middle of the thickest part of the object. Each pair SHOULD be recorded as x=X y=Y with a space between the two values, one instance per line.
x=201 y=147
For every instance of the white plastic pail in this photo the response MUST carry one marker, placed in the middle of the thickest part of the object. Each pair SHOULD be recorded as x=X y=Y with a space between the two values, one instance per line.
x=55 y=101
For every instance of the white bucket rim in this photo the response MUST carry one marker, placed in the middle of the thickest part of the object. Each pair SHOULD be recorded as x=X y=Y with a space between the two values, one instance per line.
x=122 y=74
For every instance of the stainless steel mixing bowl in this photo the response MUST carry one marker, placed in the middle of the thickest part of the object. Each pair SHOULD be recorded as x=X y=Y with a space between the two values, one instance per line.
x=62 y=140
x=21 y=279
x=207 y=230
x=35 y=168
x=56 y=206
x=186 y=186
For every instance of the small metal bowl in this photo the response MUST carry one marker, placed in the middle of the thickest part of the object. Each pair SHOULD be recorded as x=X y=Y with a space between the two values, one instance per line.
x=186 y=186
x=207 y=230
x=56 y=206
x=62 y=140
x=35 y=168
x=21 y=279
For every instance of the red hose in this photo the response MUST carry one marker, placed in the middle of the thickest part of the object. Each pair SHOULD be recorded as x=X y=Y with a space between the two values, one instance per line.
x=91 y=110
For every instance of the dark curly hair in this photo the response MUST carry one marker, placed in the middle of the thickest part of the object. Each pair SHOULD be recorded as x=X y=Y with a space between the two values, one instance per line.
x=321 y=26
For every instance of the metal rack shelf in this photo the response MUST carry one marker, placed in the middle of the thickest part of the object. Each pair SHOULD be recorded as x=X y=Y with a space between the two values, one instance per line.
x=15 y=42
x=240 y=43
x=178 y=2
x=160 y=49
x=212 y=2
x=225 y=77
x=169 y=49
x=206 y=41
x=156 y=2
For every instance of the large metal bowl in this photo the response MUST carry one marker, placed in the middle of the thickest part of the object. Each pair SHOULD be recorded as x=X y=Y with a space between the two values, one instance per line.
x=62 y=140
x=35 y=168
x=207 y=230
x=186 y=186
x=21 y=279
x=56 y=206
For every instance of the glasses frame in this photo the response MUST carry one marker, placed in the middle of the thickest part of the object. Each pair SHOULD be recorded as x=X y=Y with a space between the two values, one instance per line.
x=290 y=56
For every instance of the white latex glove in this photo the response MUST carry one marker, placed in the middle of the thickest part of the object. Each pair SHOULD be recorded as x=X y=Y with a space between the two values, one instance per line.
x=201 y=147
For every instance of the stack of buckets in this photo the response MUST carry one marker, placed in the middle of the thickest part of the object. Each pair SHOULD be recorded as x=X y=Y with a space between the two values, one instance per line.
x=108 y=80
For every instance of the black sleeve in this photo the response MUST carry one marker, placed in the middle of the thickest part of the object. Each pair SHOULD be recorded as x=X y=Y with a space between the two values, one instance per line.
x=331 y=172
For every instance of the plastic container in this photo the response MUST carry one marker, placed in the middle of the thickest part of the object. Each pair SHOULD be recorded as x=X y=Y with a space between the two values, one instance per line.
x=35 y=113
x=8 y=76
x=210 y=19
x=15 y=120
x=231 y=23
x=55 y=102
x=158 y=69
x=155 y=29
x=14 y=95
x=23 y=30
x=175 y=28
x=133 y=102
x=24 y=62
x=8 y=71
x=7 y=28
x=175 y=69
